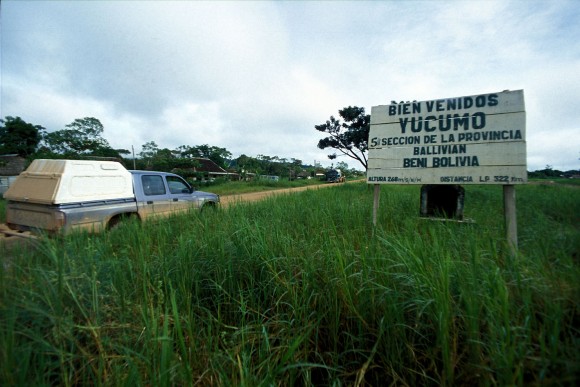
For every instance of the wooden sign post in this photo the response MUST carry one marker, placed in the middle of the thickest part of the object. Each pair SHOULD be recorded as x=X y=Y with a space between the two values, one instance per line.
x=511 y=223
x=479 y=139
x=377 y=195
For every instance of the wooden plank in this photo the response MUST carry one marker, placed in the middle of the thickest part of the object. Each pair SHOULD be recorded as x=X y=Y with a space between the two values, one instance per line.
x=18 y=234
x=431 y=156
x=500 y=175
x=492 y=103
x=497 y=128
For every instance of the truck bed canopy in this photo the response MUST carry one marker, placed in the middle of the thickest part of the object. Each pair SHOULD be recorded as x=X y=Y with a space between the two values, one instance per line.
x=70 y=181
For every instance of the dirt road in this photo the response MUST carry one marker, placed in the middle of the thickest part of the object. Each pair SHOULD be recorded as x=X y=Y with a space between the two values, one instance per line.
x=228 y=200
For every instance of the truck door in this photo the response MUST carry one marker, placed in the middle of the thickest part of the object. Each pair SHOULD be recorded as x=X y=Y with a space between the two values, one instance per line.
x=157 y=201
x=180 y=193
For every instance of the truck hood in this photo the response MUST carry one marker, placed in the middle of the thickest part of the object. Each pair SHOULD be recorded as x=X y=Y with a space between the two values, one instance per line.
x=206 y=195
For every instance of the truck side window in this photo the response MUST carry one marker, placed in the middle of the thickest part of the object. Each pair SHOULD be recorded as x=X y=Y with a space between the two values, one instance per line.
x=153 y=185
x=177 y=185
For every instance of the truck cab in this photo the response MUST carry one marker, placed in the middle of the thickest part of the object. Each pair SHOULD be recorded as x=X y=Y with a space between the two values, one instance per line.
x=163 y=193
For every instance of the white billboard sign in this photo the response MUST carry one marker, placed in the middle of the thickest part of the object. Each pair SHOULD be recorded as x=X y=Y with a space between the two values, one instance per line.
x=478 y=139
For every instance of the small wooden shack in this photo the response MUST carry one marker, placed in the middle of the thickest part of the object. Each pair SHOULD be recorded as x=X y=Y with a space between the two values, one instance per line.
x=10 y=167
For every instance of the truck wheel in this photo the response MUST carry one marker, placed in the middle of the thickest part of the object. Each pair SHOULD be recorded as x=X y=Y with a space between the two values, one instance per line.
x=209 y=206
x=117 y=221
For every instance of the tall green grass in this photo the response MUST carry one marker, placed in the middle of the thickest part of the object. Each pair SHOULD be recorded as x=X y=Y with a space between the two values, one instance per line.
x=301 y=289
x=2 y=210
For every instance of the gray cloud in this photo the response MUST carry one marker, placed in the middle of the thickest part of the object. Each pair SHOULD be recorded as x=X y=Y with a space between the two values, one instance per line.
x=255 y=77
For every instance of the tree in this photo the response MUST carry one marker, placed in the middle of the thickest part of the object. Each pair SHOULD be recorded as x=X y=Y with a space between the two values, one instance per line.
x=163 y=159
x=82 y=137
x=349 y=137
x=19 y=137
x=148 y=152
x=267 y=165
x=342 y=166
x=294 y=168
x=216 y=154
x=246 y=164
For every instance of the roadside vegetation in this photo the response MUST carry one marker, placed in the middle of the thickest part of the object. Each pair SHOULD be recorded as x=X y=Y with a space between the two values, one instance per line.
x=558 y=180
x=301 y=289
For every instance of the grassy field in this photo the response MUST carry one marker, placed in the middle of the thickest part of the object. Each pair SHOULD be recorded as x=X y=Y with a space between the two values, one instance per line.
x=301 y=289
x=559 y=180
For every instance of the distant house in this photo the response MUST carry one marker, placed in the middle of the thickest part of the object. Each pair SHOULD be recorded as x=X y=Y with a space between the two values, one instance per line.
x=10 y=167
x=320 y=174
x=303 y=175
x=209 y=169
x=234 y=175
x=269 y=177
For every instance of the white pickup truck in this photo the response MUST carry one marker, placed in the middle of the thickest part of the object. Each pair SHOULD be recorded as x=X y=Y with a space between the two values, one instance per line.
x=60 y=196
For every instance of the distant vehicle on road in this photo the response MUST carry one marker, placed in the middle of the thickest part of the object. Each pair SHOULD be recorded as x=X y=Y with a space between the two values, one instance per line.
x=334 y=176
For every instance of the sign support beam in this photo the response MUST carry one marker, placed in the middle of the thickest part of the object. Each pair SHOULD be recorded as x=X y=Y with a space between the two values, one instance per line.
x=511 y=223
x=376 y=203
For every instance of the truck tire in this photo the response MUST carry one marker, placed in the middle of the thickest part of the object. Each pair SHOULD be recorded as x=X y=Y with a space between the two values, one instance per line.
x=117 y=220
x=209 y=206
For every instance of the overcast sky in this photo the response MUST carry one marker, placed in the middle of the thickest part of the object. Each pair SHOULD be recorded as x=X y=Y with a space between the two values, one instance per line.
x=255 y=77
